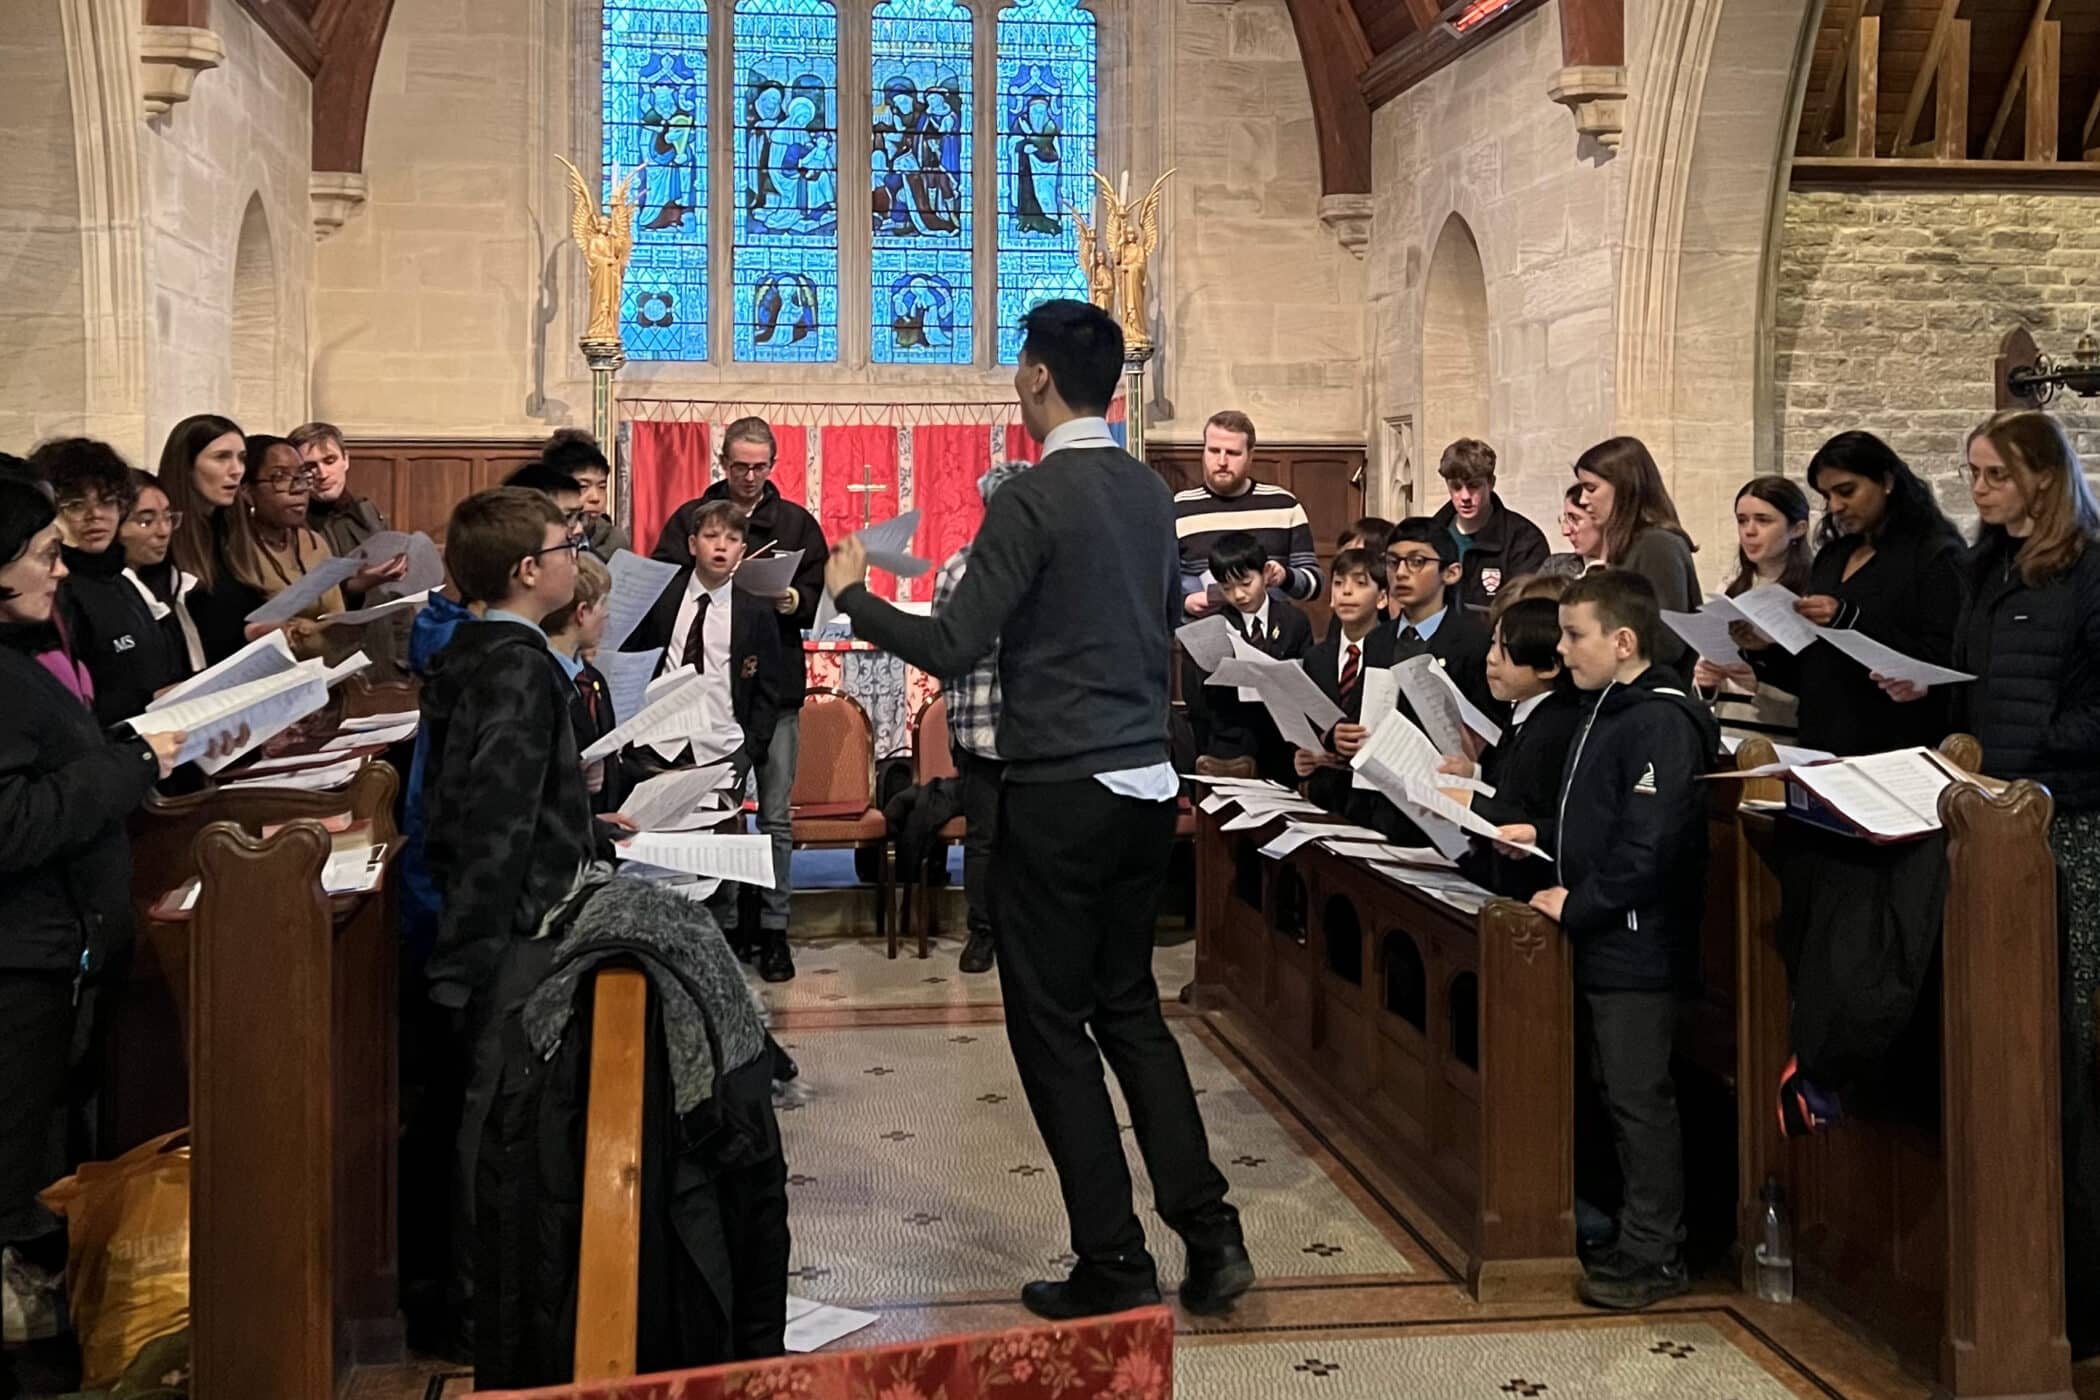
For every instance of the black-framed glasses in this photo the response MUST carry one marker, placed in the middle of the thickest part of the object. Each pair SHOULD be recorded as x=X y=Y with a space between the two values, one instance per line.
x=1414 y=562
x=575 y=544
x=305 y=479
x=746 y=468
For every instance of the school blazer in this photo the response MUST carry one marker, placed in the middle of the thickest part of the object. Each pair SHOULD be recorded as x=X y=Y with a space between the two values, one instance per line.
x=758 y=676
x=1330 y=787
x=1226 y=726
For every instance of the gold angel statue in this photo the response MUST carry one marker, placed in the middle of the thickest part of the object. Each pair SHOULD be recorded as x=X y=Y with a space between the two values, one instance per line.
x=1131 y=242
x=1093 y=263
x=605 y=240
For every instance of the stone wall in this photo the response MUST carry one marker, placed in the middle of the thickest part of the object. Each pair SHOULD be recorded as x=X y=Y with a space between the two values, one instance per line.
x=229 y=245
x=447 y=305
x=43 y=357
x=1891 y=308
x=1479 y=140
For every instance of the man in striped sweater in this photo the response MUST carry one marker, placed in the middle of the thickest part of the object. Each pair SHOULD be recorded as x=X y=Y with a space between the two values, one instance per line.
x=1229 y=499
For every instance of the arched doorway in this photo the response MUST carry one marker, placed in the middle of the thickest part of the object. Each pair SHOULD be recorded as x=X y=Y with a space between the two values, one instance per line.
x=255 y=351
x=1455 y=371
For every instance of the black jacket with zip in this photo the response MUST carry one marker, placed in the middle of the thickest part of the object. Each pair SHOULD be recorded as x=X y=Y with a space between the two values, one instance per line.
x=114 y=634
x=1525 y=771
x=66 y=790
x=1505 y=548
x=1630 y=835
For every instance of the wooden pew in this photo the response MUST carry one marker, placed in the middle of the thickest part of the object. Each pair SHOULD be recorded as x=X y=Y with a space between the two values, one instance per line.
x=291 y=1004
x=1946 y=1245
x=1446 y=1041
x=608 y=1271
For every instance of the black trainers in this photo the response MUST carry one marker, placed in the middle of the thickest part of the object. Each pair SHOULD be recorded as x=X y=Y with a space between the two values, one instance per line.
x=978 y=953
x=1622 y=1285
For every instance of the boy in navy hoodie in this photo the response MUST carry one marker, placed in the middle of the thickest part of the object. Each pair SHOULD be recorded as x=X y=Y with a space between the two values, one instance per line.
x=1630 y=837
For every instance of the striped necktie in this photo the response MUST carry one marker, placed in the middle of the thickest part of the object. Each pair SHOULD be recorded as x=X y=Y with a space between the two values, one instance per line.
x=1350 y=664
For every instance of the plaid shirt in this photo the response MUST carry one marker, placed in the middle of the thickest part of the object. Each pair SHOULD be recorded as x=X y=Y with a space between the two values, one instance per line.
x=973 y=699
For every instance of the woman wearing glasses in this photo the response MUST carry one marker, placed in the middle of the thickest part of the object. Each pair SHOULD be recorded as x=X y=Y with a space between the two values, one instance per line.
x=106 y=624
x=147 y=538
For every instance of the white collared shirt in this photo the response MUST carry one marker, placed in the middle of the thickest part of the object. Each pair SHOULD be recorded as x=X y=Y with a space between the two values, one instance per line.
x=1341 y=656
x=1255 y=625
x=1524 y=708
x=1159 y=782
x=718 y=734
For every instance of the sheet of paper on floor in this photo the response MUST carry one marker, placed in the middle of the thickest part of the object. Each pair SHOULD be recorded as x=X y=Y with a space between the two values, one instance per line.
x=812 y=1325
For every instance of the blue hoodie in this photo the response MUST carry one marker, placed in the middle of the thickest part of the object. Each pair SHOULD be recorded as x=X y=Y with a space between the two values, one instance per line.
x=432 y=632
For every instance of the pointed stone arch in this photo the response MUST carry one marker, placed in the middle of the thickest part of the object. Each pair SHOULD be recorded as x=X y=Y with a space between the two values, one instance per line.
x=255 y=353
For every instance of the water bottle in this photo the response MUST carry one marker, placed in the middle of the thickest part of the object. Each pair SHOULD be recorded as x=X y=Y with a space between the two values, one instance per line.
x=1772 y=1259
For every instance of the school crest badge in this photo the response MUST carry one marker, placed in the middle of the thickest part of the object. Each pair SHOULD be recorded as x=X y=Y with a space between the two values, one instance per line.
x=1491 y=581
x=750 y=667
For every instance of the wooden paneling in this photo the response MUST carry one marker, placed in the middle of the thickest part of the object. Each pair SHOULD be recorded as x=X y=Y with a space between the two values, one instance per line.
x=417 y=481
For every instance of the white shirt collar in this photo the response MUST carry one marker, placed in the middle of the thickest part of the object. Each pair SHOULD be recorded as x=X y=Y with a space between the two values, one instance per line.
x=1524 y=707
x=1079 y=432
x=694 y=588
x=1260 y=616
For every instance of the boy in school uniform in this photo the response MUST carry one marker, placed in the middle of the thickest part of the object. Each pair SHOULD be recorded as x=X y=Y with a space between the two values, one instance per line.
x=1629 y=832
x=576 y=453
x=1524 y=671
x=1422 y=573
x=573 y=633
x=1228 y=729
x=507 y=820
x=1358 y=642
x=731 y=638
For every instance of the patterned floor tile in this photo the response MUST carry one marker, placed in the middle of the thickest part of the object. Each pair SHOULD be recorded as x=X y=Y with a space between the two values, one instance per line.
x=835 y=974
x=918 y=1174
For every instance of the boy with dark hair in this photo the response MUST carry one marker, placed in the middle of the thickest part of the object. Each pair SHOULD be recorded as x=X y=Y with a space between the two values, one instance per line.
x=1229 y=730
x=507 y=825
x=575 y=453
x=1367 y=532
x=1524 y=671
x=1421 y=569
x=1494 y=543
x=558 y=486
x=1358 y=642
x=573 y=633
x=703 y=620
x=1630 y=836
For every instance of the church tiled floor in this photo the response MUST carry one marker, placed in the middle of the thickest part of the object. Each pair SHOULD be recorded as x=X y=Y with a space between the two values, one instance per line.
x=920 y=1192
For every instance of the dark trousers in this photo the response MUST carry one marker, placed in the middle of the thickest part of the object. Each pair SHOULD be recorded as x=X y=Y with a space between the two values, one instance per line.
x=1078 y=872
x=981 y=780
x=36 y=1059
x=1631 y=1035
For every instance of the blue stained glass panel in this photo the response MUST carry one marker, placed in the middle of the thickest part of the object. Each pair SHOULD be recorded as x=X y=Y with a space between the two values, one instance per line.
x=785 y=270
x=654 y=94
x=919 y=181
x=1048 y=107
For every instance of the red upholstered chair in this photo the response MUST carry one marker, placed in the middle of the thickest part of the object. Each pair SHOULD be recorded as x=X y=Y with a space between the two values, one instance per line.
x=930 y=759
x=834 y=798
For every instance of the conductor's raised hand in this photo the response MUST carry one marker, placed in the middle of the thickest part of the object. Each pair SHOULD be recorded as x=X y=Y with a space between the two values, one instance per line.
x=847 y=565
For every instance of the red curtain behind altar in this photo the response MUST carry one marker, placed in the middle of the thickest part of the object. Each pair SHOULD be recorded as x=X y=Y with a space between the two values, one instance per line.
x=846 y=451
x=946 y=460
x=791 y=462
x=669 y=468
x=1021 y=445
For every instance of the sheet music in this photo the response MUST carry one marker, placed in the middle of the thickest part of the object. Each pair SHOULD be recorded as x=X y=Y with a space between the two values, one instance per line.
x=358 y=616
x=306 y=590
x=385 y=721
x=266 y=656
x=426 y=567
x=1216 y=781
x=1207 y=641
x=627 y=676
x=770 y=576
x=636 y=585
x=1284 y=689
x=1706 y=633
x=1887 y=661
x=294 y=760
x=1435 y=704
x=1381 y=697
x=267 y=707
x=1290 y=839
x=748 y=860
x=1913 y=777
x=1465 y=819
x=1262 y=816
x=677 y=712
x=1469 y=715
x=333 y=775
x=1770 y=608
x=673 y=801
x=1396 y=752
x=888 y=544
x=346 y=668
x=372 y=738
x=1215 y=803
x=1380 y=850
x=812 y=1326
x=1865 y=801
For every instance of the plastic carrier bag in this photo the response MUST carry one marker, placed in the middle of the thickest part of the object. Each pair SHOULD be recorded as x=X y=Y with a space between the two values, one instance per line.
x=128 y=1252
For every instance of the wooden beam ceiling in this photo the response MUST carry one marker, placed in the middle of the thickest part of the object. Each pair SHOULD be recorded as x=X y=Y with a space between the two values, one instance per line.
x=1333 y=47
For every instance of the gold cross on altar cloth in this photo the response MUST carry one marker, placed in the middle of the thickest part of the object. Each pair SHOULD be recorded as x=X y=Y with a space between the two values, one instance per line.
x=866 y=488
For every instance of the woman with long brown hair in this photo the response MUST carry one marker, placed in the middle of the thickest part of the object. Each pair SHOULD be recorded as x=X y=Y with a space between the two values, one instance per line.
x=2031 y=636
x=1771 y=530
x=1623 y=491
x=202 y=466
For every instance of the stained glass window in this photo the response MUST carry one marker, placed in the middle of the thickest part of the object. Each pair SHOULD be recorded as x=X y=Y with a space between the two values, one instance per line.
x=920 y=183
x=785 y=270
x=655 y=101
x=1047 y=113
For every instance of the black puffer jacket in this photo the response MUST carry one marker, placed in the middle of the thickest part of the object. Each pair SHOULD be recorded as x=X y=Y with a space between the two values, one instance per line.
x=114 y=634
x=66 y=789
x=1631 y=835
x=2035 y=653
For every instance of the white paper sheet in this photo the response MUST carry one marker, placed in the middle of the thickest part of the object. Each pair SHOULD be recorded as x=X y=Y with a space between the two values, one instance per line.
x=748 y=860
x=1706 y=633
x=675 y=713
x=293 y=761
x=636 y=585
x=359 y=616
x=1887 y=661
x=392 y=720
x=306 y=590
x=1395 y=752
x=267 y=707
x=1262 y=816
x=351 y=871
x=1381 y=697
x=1864 y=800
x=266 y=656
x=303 y=779
x=888 y=543
x=1215 y=803
x=426 y=568
x=1434 y=703
x=371 y=738
x=1469 y=714
x=1290 y=839
x=1770 y=608
x=670 y=801
x=1207 y=641
x=811 y=1326
x=1283 y=687
x=1422 y=795
x=627 y=675
x=770 y=575
x=1212 y=780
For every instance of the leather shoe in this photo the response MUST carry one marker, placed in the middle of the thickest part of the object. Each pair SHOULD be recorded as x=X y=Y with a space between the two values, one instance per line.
x=1077 y=1296
x=978 y=953
x=1216 y=1277
x=775 y=964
